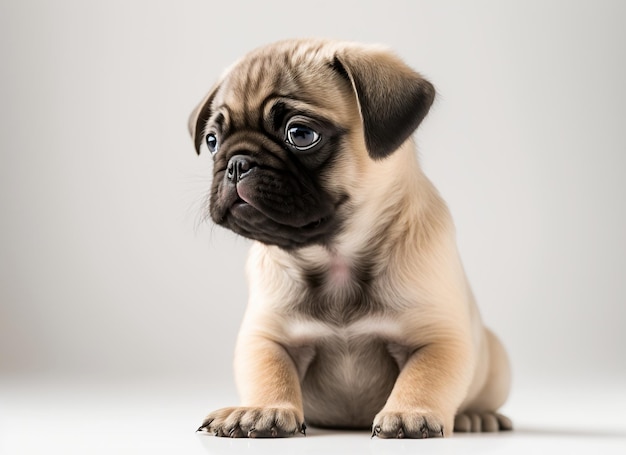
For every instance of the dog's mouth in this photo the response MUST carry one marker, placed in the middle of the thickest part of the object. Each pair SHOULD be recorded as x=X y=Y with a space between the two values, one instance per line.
x=290 y=223
x=242 y=208
x=315 y=224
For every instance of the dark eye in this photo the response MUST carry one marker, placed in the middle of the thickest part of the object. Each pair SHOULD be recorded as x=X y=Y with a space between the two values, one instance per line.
x=302 y=137
x=211 y=142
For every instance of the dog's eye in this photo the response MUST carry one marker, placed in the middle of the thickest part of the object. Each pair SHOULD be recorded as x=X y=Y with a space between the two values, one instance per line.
x=302 y=137
x=211 y=142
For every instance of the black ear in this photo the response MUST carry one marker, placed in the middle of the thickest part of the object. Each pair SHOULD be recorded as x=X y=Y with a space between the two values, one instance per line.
x=393 y=98
x=199 y=117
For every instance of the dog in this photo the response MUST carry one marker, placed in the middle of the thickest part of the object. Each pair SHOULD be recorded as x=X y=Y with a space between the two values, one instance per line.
x=360 y=314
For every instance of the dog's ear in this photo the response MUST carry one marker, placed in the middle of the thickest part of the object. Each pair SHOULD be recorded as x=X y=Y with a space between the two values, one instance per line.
x=393 y=99
x=199 y=117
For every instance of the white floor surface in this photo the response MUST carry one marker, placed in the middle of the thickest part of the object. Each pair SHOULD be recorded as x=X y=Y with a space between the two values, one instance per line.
x=65 y=417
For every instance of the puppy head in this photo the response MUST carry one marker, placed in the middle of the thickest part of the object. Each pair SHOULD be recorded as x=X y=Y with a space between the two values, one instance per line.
x=290 y=125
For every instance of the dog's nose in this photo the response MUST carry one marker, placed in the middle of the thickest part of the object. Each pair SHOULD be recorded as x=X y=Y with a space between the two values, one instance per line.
x=238 y=167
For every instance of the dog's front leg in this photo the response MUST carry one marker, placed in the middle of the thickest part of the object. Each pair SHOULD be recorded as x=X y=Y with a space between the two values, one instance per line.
x=430 y=387
x=268 y=383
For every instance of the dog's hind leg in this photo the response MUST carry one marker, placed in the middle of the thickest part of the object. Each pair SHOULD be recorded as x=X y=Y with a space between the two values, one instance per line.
x=479 y=412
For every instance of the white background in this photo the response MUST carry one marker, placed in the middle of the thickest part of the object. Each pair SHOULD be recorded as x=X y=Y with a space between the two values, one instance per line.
x=107 y=269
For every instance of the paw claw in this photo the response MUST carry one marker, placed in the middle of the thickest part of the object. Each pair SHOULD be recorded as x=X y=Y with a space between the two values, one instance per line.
x=206 y=425
x=235 y=432
x=413 y=425
x=254 y=422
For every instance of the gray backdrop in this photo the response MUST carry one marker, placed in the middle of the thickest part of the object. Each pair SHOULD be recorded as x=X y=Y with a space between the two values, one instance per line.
x=106 y=267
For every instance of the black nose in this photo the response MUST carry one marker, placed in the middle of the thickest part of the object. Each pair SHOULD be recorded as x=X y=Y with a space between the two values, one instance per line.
x=238 y=167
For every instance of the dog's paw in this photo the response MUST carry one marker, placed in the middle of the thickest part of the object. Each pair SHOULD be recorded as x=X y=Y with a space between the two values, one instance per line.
x=244 y=422
x=472 y=422
x=400 y=425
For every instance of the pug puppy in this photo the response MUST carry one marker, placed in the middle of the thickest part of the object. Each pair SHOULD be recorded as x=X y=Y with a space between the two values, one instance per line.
x=360 y=314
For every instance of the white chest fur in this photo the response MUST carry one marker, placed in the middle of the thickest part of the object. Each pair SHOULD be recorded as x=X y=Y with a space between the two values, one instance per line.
x=307 y=331
x=305 y=337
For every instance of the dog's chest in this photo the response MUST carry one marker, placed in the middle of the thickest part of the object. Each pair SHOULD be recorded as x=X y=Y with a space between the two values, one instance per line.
x=346 y=372
x=339 y=274
x=339 y=292
x=346 y=341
